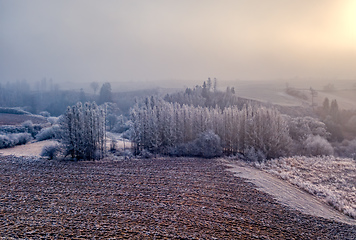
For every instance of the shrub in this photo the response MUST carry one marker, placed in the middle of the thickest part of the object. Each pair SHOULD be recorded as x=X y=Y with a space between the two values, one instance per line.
x=127 y=154
x=21 y=138
x=45 y=114
x=28 y=125
x=53 y=120
x=121 y=125
x=252 y=154
x=11 y=140
x=111 y=120
x=127 y=134
x=49 y=133
x=145 y=154
x=51 y=151
x=317 y=146
x=4 y=141
x=296 y=93
x=8 y=129
x=113 y=145
x=207 y=145
x=346 y=149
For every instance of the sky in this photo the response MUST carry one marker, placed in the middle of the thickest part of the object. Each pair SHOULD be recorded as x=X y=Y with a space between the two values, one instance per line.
x=133 y=40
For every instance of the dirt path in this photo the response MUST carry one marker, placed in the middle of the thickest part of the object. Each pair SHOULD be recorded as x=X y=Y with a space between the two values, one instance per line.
x=287 y=193
x=34 y=149
x=30 y=149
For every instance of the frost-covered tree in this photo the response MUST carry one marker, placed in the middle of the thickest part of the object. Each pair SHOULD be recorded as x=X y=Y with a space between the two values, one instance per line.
x=157 y=126
x=84 y=131
x=266 y=130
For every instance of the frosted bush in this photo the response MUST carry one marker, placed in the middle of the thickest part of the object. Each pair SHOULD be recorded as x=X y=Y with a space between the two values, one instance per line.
x=20 y=138
x=207 y=145
x=48 y=133
x=121 y=127
x=45 y=114
x=254 y=155
x=4 y=141
x=8 y=129
x=317 y=146
x=53 y=120
x=51 y=151
x=145 y=154
x=11 y=140
x=346 y=149
x=28 y=125
x=31 y=128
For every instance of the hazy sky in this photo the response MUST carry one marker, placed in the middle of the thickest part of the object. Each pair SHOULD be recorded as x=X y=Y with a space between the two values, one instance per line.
x=113 y=40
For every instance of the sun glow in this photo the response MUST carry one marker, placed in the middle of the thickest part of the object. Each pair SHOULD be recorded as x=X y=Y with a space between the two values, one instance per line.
x=348 y=22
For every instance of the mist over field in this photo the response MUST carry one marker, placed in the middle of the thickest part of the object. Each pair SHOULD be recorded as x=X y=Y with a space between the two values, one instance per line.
x=174 y=43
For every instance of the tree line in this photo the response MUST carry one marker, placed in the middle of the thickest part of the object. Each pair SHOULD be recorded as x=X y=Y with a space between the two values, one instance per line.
x=159 y=126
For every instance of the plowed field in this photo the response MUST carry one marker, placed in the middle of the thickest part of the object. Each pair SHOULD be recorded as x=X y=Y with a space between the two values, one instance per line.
x=145 y=199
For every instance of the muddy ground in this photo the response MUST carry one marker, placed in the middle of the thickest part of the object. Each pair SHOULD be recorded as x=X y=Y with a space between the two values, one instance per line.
x=175 y=198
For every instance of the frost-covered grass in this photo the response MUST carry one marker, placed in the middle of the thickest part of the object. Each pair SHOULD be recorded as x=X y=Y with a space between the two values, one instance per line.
x=331 y=179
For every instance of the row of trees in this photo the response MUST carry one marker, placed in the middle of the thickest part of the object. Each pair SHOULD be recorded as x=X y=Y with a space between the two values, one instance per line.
x=206 y=95
x=47 y=96
x=84 y=131
x=162 y=127
x=158 y=126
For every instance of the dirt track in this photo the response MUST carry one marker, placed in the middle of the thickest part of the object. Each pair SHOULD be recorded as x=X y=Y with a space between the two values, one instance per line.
x=148 y=198
x=286 y=193
x=34 y=149
x=30 y=149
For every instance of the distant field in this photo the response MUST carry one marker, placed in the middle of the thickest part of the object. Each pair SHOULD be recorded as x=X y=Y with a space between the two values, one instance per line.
x=15 y=119
x=274 y=92
x=346 y=99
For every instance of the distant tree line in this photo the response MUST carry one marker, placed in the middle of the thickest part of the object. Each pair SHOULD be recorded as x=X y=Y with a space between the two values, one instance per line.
x=340 y=123
x=207 y=95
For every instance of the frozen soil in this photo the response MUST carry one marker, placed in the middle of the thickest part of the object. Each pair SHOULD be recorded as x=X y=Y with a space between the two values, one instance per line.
x=177 y=198
x=287 y=193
